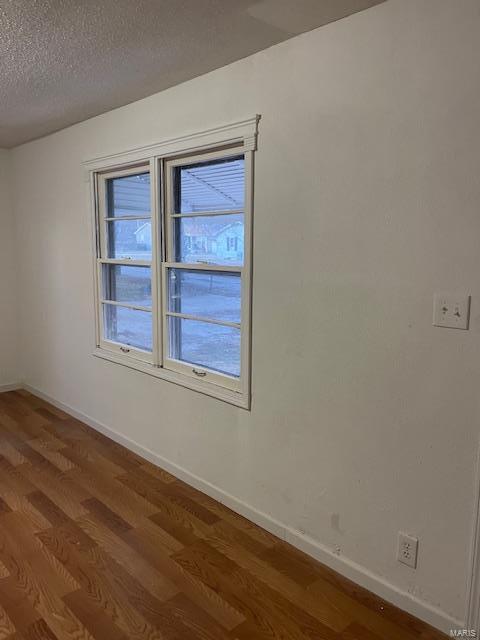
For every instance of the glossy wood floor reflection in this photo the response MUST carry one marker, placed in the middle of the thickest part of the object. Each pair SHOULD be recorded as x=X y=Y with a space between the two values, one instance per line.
x=96 y=543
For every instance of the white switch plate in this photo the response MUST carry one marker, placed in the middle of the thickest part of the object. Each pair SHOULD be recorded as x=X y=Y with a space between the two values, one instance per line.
x=451 y=310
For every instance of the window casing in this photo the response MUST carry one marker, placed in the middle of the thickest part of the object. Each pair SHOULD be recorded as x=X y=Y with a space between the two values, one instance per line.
x=172 y=236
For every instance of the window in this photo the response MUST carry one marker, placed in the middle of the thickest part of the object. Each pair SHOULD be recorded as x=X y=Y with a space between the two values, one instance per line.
x=172 y=238
x=125 y=261
x=232 y=244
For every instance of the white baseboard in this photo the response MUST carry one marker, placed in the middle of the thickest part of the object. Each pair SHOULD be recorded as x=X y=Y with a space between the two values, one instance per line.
x=345 y=567
x=13 y=386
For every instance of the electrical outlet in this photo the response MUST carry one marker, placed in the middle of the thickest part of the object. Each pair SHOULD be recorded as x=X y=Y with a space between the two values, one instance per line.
x=407 y=550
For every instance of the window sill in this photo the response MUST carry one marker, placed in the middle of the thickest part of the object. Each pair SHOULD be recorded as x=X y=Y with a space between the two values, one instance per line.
x=241 y=400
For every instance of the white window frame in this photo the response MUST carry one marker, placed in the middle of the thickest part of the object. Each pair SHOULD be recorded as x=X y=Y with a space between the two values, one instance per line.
x=228 y=141
x=102 y=259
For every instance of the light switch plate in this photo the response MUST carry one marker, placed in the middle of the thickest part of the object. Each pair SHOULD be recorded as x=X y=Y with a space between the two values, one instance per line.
x=451 y=310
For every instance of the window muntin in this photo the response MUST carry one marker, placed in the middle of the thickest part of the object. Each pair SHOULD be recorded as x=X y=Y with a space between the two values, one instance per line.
x=173 y=278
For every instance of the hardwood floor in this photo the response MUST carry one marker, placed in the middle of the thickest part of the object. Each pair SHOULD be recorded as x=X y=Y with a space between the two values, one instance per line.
x=96 y=543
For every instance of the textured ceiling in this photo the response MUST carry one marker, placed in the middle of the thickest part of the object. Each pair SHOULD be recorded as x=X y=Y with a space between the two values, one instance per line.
x=63 y=61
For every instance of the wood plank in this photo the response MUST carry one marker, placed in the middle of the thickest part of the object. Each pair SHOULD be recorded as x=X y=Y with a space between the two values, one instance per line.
x=98 y=576
x=157 y=583
x=98 y=544
x=93 y=617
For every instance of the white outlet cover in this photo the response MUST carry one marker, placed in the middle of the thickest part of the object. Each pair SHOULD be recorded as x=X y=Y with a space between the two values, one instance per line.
x=451 y=310
x=407 y=550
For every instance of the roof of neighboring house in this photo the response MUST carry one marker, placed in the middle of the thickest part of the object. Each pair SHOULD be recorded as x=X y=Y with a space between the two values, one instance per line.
x=212 y=186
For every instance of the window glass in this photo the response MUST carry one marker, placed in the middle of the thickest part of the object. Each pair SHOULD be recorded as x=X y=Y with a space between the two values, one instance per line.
x=205 y=344
x=215 y=239
x=208 y=294
x=217 y=185
x=132 y=285
x=129 y=196
x=131 y=239
x=128 y=326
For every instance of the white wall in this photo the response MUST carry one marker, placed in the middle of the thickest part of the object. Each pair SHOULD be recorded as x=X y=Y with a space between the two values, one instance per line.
x=9 y=366
x=365 y=418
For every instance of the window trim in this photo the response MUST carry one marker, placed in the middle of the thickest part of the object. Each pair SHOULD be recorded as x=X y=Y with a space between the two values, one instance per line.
x=236 y=139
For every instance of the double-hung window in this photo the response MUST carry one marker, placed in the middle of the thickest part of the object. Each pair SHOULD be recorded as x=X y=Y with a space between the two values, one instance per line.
x=173 y=232
x=125 y=262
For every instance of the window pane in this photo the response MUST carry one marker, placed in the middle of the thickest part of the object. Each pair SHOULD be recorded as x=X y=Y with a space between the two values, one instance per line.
x=208 y=294
x=130 y=239
x=127 y=284
x=129 y=196
x=215 y=239
x=210 y=186
x=128 y=326
x=204 y=344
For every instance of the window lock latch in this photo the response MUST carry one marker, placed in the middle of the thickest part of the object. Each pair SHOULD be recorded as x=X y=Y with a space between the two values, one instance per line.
x=200 y=374
x=125 y=349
